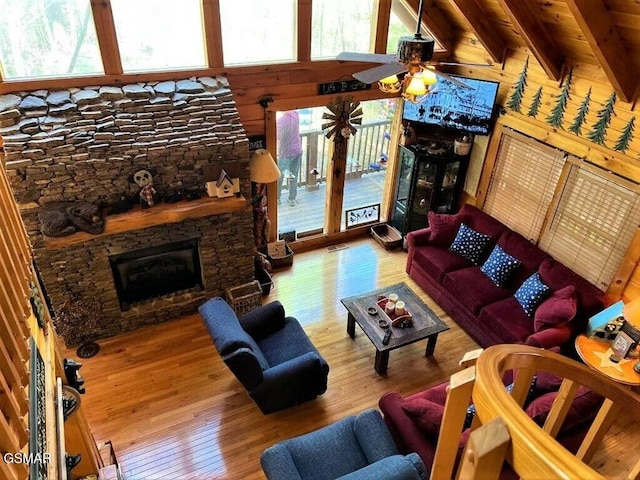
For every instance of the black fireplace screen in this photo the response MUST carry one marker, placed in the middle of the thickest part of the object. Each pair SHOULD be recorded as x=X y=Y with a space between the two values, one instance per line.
x=153 y=272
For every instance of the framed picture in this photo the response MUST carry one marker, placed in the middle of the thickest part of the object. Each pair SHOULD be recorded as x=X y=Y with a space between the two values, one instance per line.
x=622 y=344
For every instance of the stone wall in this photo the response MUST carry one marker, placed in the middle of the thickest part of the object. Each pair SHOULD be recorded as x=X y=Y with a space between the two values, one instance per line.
x=84 y=144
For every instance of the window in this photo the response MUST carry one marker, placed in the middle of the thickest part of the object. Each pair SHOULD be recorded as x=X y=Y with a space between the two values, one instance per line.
x=45 y=38
x=522 y=184
x=594 y=222
x=159 y=34
x=342 y=26
x=258 y=32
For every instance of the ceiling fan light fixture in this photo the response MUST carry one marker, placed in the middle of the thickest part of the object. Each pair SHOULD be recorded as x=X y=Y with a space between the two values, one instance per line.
x=415 y=85
x=390 y=84
x=429 y=77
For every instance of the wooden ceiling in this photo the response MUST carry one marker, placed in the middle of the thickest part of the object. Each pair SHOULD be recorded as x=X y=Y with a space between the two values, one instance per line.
x=559 y=33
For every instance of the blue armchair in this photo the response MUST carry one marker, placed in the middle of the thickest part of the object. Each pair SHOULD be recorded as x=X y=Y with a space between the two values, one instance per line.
x=354 y=448
x=268 y=352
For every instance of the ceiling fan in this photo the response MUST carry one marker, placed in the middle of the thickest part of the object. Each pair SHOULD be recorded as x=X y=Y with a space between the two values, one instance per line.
x=414 y=57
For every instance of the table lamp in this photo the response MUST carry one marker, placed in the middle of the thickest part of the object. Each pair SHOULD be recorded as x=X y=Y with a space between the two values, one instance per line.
x=262 y=167
x=262 y=170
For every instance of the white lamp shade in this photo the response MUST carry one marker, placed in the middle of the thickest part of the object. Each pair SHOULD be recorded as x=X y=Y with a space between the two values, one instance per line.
x=262 y=167
x=416 y=86
x=428 y=77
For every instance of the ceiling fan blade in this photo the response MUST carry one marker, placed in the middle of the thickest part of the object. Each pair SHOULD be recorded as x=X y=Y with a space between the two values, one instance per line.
x=366 y=57
x=375 y=74
x=451 y=79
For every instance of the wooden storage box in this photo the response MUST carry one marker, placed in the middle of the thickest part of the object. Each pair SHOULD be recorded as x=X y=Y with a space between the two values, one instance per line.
x=245 y=297
x=387 y=236
x=279 y=254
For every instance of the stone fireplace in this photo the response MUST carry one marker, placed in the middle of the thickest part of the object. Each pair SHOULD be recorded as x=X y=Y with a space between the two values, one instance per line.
x=83 y=145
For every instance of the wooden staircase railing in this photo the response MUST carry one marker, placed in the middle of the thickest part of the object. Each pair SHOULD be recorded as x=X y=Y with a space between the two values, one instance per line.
x=503 y=431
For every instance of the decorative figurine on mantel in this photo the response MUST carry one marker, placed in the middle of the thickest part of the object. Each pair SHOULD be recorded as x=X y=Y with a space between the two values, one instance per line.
x=61 y=219
x=148 y=195
x=225 y=186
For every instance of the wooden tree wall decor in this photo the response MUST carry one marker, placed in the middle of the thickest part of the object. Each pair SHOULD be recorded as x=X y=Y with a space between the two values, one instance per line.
x=599 y=128
x=581 y=116
x=515 y=101
x=622 y=145
x=555 y=118
x=535 y=104
x=344 y=113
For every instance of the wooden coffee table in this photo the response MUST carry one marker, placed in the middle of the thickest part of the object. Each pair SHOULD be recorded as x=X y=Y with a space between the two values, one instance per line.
x=426 y=324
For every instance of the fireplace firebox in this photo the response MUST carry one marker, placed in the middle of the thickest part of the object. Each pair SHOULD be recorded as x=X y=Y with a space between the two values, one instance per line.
x=157 y=271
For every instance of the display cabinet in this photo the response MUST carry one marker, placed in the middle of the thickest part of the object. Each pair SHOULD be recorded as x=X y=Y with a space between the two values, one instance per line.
x=430 y=177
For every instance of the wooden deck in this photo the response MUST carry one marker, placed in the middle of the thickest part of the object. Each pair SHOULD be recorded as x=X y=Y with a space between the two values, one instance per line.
x=308 y=214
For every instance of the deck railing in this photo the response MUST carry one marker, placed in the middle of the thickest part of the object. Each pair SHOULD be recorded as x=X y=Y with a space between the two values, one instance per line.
x=365 y=148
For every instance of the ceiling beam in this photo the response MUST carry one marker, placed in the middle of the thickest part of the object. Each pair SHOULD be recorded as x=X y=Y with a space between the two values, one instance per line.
x=382 y=26
x=478 y=22
x=436 y=22
x=525 y=19
x=602 y=37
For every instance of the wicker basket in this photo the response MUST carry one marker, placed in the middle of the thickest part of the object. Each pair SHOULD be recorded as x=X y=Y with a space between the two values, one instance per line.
x=387 y=236
x=279 y=254
x=245 y=297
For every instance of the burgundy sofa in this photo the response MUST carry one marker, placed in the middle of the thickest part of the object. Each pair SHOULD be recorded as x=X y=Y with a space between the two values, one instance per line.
x=414 y=421
x=488 y=313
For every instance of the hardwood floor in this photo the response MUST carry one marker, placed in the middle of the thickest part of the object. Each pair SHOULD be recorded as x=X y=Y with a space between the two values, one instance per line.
x=173 y=410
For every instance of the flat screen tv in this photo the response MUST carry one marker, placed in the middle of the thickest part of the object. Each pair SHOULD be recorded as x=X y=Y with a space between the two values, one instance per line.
x=454 y=107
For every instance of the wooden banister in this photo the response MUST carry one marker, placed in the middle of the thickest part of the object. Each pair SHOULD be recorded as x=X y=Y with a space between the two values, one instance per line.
x=534 y=453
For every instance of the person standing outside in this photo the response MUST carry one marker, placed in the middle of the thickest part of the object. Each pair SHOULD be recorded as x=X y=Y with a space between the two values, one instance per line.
x=289 y=152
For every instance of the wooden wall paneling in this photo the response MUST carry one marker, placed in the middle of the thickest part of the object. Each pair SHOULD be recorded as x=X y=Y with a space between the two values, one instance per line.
x=437 y=23
x=632 y=289
x=603 y=39
x=382 y=26
x=626 y=270
x=107 y=38
x=535 y=36
x=305 y=11
x=213 y=33
x=479 y=23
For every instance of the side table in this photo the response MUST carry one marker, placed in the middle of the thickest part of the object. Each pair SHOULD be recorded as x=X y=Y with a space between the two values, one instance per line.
x=596 y=353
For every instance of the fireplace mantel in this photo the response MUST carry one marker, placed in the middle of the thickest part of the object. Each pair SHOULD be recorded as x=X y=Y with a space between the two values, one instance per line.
x=139 y=218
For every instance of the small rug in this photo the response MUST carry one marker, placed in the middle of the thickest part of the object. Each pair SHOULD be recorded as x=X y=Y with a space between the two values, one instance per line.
x=334 y=248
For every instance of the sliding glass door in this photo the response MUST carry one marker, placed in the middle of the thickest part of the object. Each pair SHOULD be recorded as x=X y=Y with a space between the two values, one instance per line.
x=304 y=158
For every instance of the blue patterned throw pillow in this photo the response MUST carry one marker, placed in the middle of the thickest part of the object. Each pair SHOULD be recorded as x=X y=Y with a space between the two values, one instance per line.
x=499 y=266
x=469 y=243
x=531 y=293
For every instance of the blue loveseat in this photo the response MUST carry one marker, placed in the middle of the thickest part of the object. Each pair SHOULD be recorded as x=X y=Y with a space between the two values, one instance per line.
x=268 y=352
x=354 y=448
